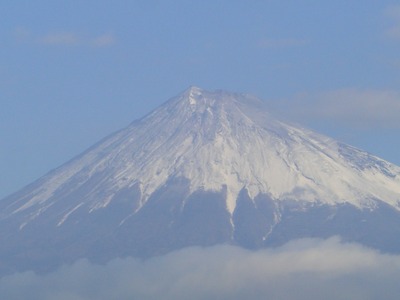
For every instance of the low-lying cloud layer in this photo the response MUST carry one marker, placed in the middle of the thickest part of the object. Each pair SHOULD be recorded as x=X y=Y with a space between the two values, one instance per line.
x=305 y=269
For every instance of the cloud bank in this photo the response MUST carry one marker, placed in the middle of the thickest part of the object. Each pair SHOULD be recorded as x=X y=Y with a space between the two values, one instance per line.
x=304 y=269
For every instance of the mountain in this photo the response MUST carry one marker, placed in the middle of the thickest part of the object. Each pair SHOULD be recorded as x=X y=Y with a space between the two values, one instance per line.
x=204 y=168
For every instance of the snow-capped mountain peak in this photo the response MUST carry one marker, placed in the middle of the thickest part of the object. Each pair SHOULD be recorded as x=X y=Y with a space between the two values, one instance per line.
x=221 y=141
x=203 y=168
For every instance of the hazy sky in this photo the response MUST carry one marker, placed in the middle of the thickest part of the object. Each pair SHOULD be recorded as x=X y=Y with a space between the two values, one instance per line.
x=72 y=72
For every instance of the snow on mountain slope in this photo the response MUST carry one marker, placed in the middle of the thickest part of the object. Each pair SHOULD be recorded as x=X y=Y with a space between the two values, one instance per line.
x=217 y=140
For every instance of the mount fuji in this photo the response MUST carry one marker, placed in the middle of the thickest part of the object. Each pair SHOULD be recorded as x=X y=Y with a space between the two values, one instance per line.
x=205 y=168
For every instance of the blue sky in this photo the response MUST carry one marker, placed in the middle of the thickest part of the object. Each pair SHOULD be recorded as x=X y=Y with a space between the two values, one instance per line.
x=72 y=72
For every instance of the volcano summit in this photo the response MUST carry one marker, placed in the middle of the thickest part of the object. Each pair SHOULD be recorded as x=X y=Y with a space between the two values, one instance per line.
x=204 y=168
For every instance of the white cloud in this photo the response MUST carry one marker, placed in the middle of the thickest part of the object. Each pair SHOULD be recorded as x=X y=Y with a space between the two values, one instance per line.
x=64 y=38
x=21 y=34
x=305 y=269
x=393 y=15
x=394 y=32
x=72 y=39
x=362 y=108
x=281 y=43
x=103 y=40
x=60 y=38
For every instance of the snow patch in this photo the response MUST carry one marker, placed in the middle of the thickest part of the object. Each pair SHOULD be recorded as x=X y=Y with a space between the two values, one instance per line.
x=65 y=217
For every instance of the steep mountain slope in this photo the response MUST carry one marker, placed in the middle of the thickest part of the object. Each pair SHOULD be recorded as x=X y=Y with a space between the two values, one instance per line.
x=204 y=168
